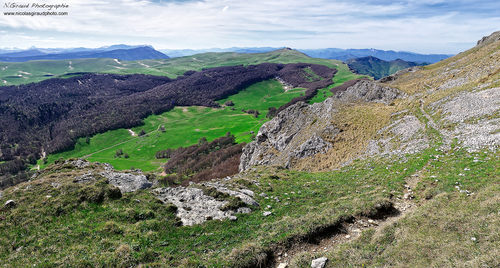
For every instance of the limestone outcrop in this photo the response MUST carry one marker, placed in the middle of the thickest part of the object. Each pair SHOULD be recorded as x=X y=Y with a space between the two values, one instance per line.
x=302 y=130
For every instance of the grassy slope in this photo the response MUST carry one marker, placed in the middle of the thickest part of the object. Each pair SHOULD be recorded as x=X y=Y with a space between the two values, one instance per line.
x=35 y=71
x=115 y=234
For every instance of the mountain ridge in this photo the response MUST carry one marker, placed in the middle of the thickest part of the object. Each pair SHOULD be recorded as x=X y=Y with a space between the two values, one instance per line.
x=378 y=68
x=128 y=54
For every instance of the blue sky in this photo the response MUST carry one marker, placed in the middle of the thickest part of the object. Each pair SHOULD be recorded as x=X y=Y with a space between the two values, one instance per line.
x=423 y=26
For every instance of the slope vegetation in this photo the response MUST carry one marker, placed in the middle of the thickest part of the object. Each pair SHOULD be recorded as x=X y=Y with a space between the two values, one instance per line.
x=51 y=115
x=378 y=68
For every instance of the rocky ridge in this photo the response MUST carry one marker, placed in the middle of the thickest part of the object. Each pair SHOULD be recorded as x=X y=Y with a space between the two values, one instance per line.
x=303 y=131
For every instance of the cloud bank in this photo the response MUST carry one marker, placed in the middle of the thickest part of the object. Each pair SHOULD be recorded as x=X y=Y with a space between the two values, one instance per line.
x=425 y=26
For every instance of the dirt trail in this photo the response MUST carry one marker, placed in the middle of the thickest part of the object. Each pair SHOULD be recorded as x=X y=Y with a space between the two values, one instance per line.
x=352 y=229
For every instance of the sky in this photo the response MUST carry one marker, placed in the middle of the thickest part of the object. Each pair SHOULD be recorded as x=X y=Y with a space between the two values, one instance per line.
x=422 y=26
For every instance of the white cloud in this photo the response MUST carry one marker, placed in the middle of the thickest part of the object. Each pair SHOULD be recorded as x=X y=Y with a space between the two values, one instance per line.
x=411 y=25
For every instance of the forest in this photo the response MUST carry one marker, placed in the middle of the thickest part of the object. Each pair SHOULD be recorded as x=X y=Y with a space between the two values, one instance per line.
x=50 y=116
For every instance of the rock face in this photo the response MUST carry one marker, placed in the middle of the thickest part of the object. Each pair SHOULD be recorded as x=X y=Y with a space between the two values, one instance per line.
x=302 y=130
x=370 y=92
x=489 y=39
x=127 y=182
x=194 y=207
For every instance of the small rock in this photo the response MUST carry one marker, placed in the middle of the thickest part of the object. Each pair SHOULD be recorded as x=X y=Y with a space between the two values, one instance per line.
x=244 y=210
x=319 y=263
x=263 y=195
x=473 y=239
x=191 y=183
x=268 y=207
x=277 y=199
x=283 y=265
x=233 y=218
x=267 y=213
x=347 y=236
x=48 y=196
x=247 y=192
x=466 y=169
x=407 y=196
x=10 y=204
x=286 y=204
x=137 y=200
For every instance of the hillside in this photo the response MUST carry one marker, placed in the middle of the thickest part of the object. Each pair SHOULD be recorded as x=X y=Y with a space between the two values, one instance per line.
x=16 y=73
x=378 y=68
x=325 y=53
x=139 y=53
x=387 y=55
x=50 y=116
x=398 y=173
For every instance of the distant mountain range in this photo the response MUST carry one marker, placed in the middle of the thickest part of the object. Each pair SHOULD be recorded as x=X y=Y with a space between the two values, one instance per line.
x=126 y=52
x=326 y=53
x=378 y=68
x=121 y=52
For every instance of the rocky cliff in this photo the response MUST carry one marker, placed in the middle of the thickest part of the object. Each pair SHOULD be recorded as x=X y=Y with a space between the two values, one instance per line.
x=300 y=133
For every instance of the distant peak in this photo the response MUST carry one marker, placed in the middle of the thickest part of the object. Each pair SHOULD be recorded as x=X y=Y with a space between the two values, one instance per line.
x=489 y=39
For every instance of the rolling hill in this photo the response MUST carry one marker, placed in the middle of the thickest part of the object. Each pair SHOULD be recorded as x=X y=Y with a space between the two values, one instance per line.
x=378 y=68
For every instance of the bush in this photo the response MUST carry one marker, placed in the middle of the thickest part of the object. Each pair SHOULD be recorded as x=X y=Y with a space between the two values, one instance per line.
x=229 y=103
x=142 y=132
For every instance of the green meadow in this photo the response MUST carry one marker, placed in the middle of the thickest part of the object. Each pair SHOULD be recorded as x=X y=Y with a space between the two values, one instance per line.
x=184 y=126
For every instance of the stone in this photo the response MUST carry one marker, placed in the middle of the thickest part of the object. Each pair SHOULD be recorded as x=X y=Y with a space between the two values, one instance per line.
x=263 y=195
x=1 y=194
x=85 y=178
x=266 y=213
x=108 y=166
x=80 y=163
x=319 y=263
x=244 y=210
x=245 y=198
x=247 y=192
x=194 y=207
x=127 y=182
x=10 y=204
